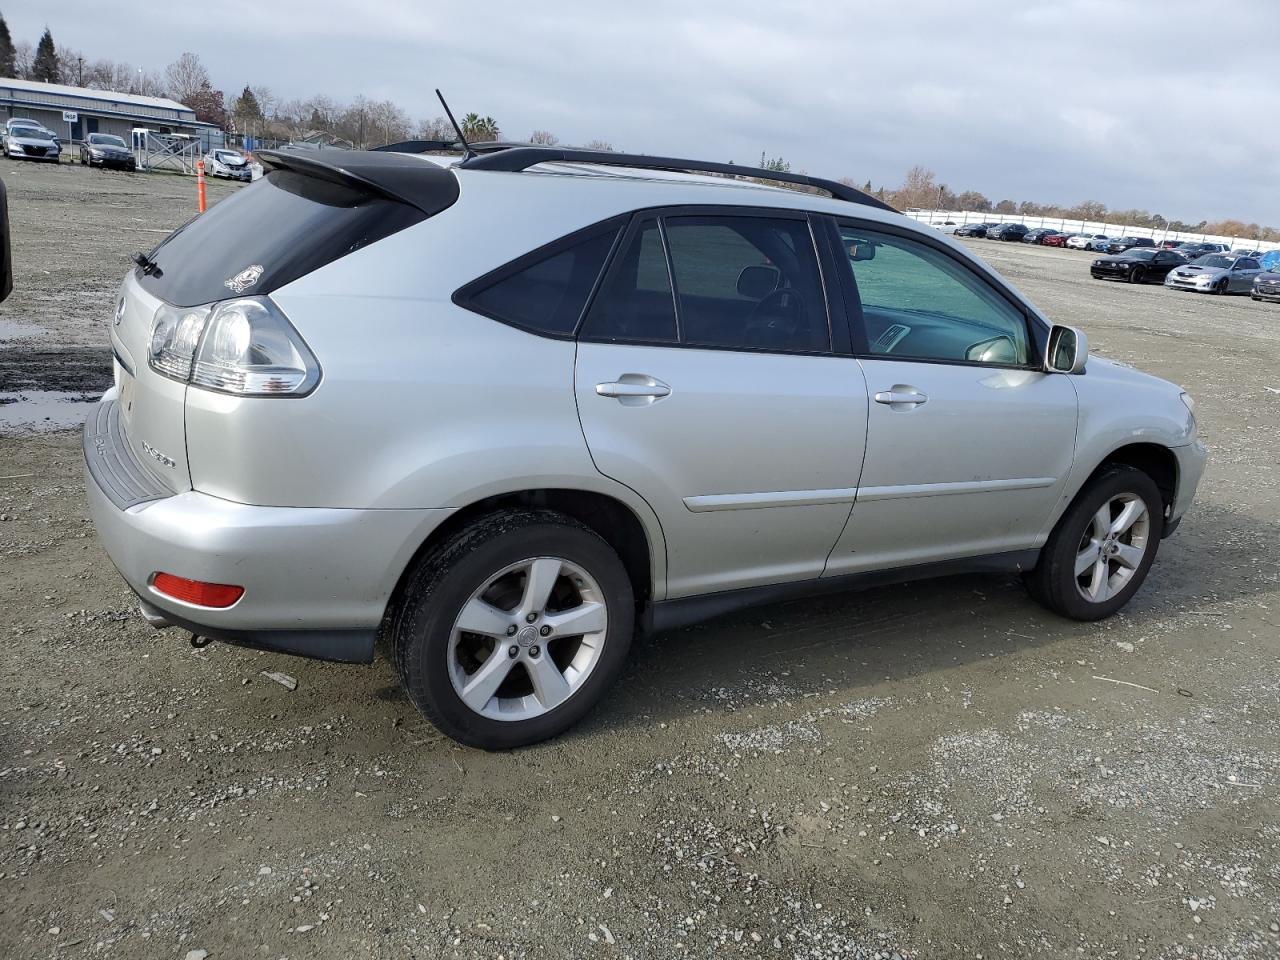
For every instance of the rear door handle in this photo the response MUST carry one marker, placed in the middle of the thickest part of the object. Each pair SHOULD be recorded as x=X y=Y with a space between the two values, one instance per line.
x=901 y=397
x=634 y=389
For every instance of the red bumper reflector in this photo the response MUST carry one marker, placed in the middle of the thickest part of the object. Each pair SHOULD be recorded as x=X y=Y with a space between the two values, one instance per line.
x=197 y=592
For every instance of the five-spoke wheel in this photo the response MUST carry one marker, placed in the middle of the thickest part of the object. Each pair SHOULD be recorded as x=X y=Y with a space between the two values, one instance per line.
x=512 y=629
x=1102 y=547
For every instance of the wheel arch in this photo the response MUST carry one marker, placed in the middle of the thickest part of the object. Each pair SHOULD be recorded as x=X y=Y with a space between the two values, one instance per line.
x=1154 y=459
x=642 y=553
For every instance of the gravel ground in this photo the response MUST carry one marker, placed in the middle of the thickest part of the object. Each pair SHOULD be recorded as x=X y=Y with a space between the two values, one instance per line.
x=935 y=770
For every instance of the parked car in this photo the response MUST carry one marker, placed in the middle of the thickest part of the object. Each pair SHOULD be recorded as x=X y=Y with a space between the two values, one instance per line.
x=28 y=140
x=973 y=229
x=1195 y=248
x=1038 y=235
x=946 y=226
x=1244 y=252
x=107 y=151
x=1169 y=244
x=1216 y=273
x=1085 y=241
x=575 y=405
x=1055 y=240
x=1266 y=286
x=1009 y=232
x=1121 y=244
x=1136 y=265
x=231 y=164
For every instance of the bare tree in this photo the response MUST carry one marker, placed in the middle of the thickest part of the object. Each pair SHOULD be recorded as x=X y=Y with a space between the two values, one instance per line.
x=186 y=77
x=23 y=54
x=438 y=128
x=544 y=138
x=603 y=145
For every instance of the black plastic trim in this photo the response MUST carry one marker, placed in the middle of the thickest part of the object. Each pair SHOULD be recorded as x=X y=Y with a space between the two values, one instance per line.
x=663 y=615
x=398 y=176
x=112 y=464
x=6 y=253
x=342 y=646
x=516 y=159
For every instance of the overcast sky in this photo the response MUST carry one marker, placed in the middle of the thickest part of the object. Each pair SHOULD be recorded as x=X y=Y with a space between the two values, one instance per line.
x=1160 y=104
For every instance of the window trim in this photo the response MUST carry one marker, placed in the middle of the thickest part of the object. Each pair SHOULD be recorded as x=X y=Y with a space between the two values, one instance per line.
x=465 y=295
x=1037 y=329
x=660 y=214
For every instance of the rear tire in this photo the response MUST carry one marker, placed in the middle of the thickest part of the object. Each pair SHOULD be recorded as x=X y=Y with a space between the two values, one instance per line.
x=484 y=577
x=1103 y=546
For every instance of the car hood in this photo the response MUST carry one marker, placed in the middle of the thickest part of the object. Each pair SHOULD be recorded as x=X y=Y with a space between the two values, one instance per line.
x=1119 y=258
x=31 y=139
x=1102 y=369
x=1191 y=270
x=231 y=163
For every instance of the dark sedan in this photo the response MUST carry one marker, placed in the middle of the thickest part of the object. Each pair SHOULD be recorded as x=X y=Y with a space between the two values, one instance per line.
x=104 y=150
x=1010 y=232
x=973 y=230
x=1121 y=244
x=1137 y=265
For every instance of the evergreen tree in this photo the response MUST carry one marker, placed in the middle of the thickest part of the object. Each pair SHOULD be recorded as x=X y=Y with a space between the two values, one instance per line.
x=8 y=56
x=246 y=106
x=45 y=65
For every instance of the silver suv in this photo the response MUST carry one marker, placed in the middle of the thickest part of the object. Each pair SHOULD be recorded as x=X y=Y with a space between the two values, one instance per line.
x=508 y=410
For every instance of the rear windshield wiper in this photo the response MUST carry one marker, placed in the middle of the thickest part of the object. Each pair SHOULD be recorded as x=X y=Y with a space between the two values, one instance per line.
x=149 y=266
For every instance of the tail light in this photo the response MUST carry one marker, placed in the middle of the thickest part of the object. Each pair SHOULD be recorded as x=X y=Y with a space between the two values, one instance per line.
x=245 y=347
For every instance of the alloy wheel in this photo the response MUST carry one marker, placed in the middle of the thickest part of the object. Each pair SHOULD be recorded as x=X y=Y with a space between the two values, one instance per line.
x=1112 y=547
x=527 y=639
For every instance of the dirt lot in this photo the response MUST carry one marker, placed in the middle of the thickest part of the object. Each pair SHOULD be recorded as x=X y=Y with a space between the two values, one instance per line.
x=938 y=770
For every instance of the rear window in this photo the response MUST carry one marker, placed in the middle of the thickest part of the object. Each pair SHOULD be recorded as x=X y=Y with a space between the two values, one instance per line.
x=281 y=228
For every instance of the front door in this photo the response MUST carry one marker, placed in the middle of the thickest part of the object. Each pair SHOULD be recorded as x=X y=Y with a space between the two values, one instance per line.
x=706 y=381
x=968 y=442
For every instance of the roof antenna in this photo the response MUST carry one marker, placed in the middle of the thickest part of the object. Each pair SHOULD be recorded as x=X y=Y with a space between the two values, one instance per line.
x=466 y=147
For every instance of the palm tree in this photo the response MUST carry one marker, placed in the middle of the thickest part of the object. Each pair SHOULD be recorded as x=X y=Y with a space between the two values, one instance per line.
x=478 y=128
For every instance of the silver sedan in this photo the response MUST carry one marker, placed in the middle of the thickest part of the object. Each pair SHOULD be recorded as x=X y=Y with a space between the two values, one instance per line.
x=1216 y=273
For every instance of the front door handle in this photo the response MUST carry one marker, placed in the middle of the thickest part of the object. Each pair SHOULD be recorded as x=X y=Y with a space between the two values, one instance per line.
x=901 y=398
x=634 y=389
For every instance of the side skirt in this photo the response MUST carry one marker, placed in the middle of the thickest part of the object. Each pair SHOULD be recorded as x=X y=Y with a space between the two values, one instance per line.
x=673 y=614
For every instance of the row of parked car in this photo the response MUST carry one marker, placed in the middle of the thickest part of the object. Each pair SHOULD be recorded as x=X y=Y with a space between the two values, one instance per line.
x=1200 y=266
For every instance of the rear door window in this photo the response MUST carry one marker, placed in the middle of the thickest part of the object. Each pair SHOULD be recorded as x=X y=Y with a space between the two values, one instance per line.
x=273 y=232
x=635 y=303
x=748 y=283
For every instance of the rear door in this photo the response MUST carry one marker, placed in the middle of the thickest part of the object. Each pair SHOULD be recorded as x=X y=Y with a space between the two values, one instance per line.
x=968 y=442
x=707 y=381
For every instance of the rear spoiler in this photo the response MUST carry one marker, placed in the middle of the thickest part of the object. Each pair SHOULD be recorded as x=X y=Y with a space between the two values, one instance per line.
x=397 y=176
x=6 y=256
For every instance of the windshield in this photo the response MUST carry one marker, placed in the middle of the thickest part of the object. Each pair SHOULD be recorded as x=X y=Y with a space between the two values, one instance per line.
x=106 y=139
x=225 y=155
x=27 y=128
x=1214 y=260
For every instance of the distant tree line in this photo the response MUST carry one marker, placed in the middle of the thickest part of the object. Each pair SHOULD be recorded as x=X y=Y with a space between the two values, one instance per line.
x=363 y=122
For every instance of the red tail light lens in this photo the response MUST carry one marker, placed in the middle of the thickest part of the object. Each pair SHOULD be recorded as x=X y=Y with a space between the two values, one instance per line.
x=197 y=592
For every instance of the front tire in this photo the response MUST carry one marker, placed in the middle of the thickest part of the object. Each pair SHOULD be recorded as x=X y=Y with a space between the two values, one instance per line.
x=1137 y=275
x=511 y=630
x=1103 y=546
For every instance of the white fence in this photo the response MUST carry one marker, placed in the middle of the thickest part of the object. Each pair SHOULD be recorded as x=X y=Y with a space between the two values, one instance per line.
x=961 y=217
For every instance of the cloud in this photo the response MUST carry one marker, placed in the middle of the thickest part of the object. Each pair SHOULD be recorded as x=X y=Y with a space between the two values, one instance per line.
x=1148 y=105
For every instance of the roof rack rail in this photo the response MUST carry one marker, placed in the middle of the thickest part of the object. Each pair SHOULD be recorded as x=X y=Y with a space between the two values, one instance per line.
x=514 y=158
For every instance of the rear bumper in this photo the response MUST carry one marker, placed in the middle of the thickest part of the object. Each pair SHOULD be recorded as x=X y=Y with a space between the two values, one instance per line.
x=316 y=581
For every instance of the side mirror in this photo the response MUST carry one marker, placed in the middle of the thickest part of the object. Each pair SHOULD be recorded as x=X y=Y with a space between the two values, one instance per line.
x=757 y=281
x=1068 y=350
